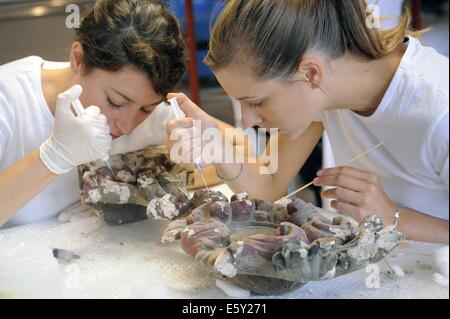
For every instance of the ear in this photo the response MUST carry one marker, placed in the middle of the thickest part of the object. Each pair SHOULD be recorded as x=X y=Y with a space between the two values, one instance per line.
x=310 y=70
x=77 y=57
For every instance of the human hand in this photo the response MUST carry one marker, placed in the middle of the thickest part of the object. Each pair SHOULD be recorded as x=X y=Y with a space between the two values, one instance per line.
x=357 y=193
x=76 y=139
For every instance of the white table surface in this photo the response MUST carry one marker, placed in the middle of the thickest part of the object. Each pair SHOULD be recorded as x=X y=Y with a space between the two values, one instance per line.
x=114 y=260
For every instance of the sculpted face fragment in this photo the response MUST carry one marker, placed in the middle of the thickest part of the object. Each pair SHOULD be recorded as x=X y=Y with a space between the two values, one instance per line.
x=137 y=178
x=263 y=247
x=274 y=249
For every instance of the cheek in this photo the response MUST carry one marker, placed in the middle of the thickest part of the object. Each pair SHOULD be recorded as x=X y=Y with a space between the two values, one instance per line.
x=283 y=114
x=140 y=119
x=291 y=116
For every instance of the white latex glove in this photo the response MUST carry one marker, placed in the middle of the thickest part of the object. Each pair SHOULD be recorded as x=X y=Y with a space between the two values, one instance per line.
x=75 y=139
x=151 y=132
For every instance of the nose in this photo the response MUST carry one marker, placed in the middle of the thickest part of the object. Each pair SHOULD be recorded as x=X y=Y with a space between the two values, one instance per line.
x=250 y=117
x=126 y=124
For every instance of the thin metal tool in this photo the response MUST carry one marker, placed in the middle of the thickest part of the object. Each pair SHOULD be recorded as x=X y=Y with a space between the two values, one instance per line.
x=348 y=163
x=106 y=160
x=198 y=162
x=80 y=110
x=200 y=170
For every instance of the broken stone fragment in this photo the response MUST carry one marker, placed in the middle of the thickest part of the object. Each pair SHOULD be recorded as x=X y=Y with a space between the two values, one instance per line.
x=300 y=212
x=174 y=230
x=182 y=203
x=138 y=178
x=221 y=211
x=371 y=223
x=149 y=186
x=263 y=205
x=264 y=216
x=317 y=261
x=243 y=209
x=163 y=208
x=347 y=227
x=239 y=197
x=125 y=176
x=314 y=233
x=280 y=214
x=258 y=248
x=105 y=172
x=200 y=214
x=202 y=196
x=201 y=236
x=101 y=190
x=171 y=184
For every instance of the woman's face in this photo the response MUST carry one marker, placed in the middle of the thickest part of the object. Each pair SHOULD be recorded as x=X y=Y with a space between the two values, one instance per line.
x=289 y=106
x=126 y=97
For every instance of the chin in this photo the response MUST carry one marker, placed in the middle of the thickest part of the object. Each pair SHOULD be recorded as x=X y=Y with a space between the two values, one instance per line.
x=114 y=137
x=291 y=135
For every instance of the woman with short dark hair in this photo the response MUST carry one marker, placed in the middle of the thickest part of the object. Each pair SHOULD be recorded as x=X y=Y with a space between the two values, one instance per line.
x=127 y=55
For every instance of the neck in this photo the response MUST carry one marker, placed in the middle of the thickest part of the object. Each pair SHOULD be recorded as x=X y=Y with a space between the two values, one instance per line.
x=55 y=82
x=359 y=84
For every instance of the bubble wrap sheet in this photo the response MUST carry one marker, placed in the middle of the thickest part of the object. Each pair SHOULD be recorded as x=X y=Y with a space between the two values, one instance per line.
x=114 y=259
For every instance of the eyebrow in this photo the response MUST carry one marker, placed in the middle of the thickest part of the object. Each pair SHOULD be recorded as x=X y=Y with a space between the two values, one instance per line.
x=246 y=98
x=131 y=101
x=123 y=95
x=154 y=104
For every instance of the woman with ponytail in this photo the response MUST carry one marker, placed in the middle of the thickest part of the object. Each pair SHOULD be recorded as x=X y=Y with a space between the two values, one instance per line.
x=305 y=66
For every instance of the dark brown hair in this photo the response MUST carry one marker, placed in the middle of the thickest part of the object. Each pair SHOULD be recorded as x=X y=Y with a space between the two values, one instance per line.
x=142 y=33
x=271 y=36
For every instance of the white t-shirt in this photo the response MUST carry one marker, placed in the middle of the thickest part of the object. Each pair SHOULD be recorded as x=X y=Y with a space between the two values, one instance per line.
x=413 y=122
x=26 y=122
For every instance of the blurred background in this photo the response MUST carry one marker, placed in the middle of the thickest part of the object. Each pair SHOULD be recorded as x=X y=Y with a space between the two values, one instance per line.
x=38 y=28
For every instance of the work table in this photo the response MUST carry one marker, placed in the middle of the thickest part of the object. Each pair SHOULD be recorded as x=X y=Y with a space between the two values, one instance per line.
x=115 y=260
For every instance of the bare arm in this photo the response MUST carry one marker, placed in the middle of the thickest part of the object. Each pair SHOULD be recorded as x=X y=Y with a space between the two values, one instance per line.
x=359 y=193
x=21 y=182
x=76 y=139
x=422 y=227
x=292 y=154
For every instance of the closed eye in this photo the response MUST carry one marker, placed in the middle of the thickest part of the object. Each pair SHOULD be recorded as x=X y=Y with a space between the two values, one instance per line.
x=110 y=103
x=146 y=111
x=256 y=104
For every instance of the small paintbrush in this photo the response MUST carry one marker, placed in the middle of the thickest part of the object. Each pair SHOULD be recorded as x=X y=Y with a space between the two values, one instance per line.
x=348 y=163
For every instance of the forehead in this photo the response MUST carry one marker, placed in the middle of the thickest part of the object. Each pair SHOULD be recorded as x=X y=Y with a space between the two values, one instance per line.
x=241 y=82
x=128 y=80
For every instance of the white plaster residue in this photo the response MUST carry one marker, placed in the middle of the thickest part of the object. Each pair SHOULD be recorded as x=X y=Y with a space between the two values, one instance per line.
x=122 y=191
x=145 y=181
x=94 y=195
x=191 y=233
x=124 y=176
x=330 y=274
